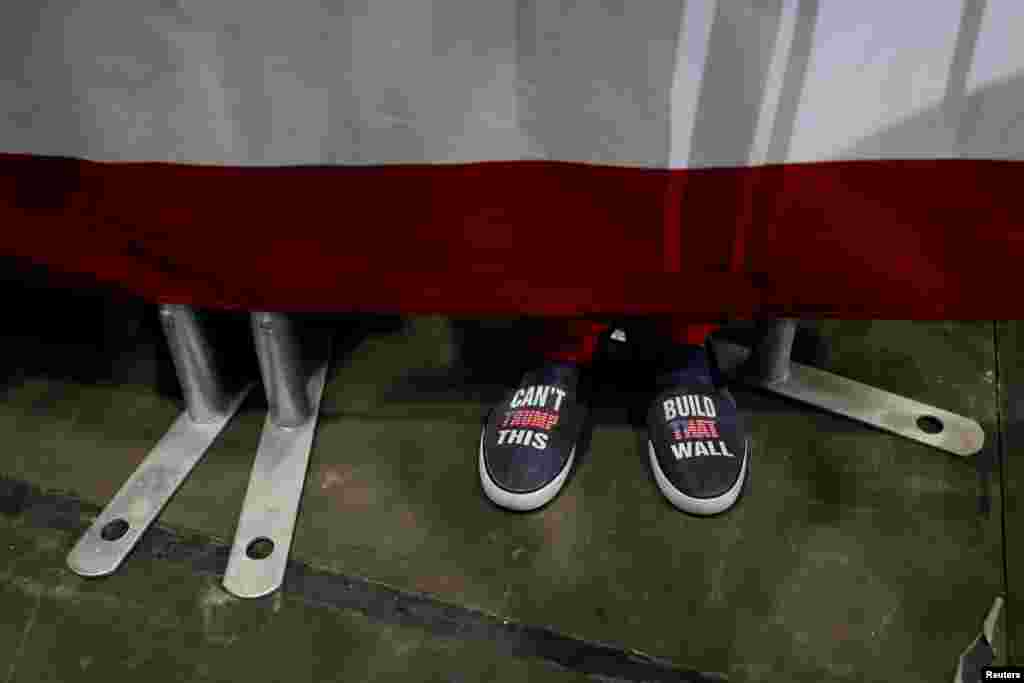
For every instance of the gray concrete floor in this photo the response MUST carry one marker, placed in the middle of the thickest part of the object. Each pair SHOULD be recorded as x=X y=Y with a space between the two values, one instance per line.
x=161 y=622
x=857 y=556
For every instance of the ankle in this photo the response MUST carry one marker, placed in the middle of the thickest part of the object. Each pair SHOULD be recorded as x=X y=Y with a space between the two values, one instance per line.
x=684 y=364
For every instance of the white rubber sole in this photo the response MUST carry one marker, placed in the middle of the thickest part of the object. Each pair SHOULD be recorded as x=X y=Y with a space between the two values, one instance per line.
x=521 y=502
x=699 y=506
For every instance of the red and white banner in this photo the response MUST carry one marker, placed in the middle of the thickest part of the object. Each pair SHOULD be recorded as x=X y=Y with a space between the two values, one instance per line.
x=807 y=157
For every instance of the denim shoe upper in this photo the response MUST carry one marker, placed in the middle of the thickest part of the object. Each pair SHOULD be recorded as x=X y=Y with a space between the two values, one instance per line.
x=531 y=433
x=697 y=433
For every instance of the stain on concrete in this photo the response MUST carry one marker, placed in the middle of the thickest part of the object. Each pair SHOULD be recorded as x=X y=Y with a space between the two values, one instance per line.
x=349 y=486
x=729 y=538
x=214 y=605
x=833 y=606
x=26 y=633
x=66 y=592
x=408 y=519
x=565 y=528
x=332 y=476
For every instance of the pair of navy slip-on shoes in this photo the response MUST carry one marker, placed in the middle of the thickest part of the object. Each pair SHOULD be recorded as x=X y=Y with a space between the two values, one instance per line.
x=698 y=448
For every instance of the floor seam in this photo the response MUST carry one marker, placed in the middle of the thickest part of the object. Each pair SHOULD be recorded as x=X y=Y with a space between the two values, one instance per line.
x=378 y=601
x=1001 y=454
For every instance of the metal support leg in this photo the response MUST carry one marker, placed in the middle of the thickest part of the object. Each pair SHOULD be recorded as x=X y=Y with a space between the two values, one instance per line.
x=769 y=367
x=209 y=406
x=770 y=360
x=206 y=397
x=260 y=550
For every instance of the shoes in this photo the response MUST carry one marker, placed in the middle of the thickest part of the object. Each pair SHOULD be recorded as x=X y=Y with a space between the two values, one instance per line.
x=698 y=446
x=528 y=443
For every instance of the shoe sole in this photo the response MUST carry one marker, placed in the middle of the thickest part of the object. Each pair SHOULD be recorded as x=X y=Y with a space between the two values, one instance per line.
x=691 y=504
x=521 y=502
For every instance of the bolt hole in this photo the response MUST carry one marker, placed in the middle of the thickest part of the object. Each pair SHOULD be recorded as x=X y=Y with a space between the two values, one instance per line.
x=929 y=424
x=114 y=530
x=260 y=549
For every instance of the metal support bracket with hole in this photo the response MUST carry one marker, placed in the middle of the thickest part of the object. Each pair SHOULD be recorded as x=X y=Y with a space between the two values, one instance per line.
x=210 y=405
x=769 y=366
x=294 y=367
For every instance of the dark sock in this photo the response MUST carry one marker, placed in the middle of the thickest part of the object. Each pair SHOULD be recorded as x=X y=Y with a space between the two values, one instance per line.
x=685 y=364
x=557 y=372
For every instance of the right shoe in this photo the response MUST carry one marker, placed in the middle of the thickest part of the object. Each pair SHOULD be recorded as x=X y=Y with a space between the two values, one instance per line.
x=699 y=449
x=528 y=442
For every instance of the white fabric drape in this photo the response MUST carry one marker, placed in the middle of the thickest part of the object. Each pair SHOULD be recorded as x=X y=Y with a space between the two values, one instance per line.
x=660 y=83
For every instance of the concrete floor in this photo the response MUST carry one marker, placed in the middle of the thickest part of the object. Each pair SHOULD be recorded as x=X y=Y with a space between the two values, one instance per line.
x=857 y=556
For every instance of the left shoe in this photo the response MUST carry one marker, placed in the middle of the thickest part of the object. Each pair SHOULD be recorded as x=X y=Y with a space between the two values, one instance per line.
x=698 y=446
x=528 y=442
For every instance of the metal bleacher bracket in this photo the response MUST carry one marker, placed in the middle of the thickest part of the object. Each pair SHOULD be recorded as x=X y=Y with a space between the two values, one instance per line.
x=293 y=364
x=768 y=366
x=210 y=405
